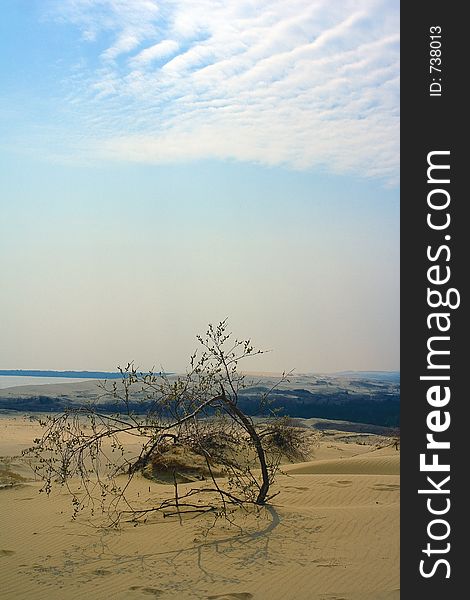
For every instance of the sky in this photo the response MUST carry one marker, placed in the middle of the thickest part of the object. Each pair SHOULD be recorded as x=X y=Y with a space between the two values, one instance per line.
x=168 y=164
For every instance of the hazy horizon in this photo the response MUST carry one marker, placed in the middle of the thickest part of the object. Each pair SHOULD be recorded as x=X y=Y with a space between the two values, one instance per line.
x=164 y=166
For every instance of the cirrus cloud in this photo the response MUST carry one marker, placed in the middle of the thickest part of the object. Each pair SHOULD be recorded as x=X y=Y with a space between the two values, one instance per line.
x=300 y=83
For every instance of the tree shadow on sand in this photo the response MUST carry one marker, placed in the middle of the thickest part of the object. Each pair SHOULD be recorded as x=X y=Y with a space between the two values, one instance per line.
x=213 y=557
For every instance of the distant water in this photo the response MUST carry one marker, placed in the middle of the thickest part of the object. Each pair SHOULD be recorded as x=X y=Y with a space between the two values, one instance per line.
x=7 y=381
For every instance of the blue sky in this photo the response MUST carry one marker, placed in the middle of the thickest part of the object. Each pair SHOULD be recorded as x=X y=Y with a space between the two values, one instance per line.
x=166 y=164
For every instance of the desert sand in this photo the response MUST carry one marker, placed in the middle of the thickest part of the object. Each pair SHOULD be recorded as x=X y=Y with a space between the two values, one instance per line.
x=332 y=533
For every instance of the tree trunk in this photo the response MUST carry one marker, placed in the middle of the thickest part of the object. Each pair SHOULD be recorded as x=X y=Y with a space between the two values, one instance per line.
x=247 y=423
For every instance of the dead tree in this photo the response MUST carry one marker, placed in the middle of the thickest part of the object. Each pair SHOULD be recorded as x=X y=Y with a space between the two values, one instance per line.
x=194 y=418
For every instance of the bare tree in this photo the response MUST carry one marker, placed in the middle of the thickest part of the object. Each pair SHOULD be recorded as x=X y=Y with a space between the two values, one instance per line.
x=192 y=431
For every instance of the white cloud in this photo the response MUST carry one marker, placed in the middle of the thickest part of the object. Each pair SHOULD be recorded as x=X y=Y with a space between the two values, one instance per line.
x=163 y=48
x=302 y=83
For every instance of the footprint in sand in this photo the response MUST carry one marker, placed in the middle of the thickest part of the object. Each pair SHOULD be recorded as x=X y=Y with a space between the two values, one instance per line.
x=329 y=563
x=340 y=483
x=386 y=487
x=232 y=596
x=7 y=552
x=102 y=572
x=155 y=592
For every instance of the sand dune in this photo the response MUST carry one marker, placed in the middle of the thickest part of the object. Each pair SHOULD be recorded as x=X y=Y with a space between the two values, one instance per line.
x=370 y=464
x=331 y=534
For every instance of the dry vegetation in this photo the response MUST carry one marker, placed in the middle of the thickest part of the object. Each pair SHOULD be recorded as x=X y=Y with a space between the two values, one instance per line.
x=194 y=431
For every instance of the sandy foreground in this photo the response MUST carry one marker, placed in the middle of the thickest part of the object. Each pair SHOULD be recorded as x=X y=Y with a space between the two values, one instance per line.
x=331 y=534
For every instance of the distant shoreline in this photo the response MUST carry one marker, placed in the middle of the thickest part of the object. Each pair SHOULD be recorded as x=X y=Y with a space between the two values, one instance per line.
x=63 y=374
x=394 y=375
